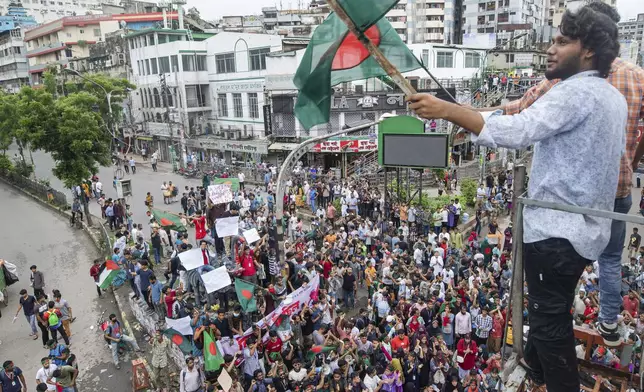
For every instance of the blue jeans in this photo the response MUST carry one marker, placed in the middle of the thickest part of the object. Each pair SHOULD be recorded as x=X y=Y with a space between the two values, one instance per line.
x=157 y=255
x=32 y=323
x=610 y=266
x=349 y=298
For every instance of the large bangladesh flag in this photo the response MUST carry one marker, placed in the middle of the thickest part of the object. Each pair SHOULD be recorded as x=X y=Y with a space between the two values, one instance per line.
x=213 y=359
x=167 y=220
x=335 y=55
x=180 y=340
x=246 y=295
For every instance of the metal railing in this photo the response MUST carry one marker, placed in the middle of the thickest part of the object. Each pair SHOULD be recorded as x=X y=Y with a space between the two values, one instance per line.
x=42 y=191
x=518 y=279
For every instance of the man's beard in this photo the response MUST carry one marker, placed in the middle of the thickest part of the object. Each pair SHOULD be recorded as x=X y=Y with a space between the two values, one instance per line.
x=563 y=70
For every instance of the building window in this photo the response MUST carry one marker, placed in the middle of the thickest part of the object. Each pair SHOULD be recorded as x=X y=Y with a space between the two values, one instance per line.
x=472 y=60
x=237 y=105
x=222 y=105
x=509 y=58
x=253 y=105
x=445 y=60
x=225 y=63
x=155 y=69
x=81 y=31
x=188 y=62
x=138 y=63
x=147 y=67
x=162 y=38
x=258 y=58
x=164 y=65
x=425 y=57
x=200 y=63
x=68 y=53
x=97 y=32
x=174 y=63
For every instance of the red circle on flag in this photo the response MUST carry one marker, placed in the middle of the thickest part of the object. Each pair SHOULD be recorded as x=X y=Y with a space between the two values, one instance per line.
x=246 y=294
x=177 y=339
x=212 y=348
x=352 y=52
x=166 y=222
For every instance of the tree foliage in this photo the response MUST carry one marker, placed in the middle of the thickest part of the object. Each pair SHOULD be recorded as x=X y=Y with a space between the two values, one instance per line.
x=71 y=123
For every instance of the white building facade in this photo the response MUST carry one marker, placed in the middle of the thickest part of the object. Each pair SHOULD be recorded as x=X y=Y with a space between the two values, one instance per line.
x=14 y=68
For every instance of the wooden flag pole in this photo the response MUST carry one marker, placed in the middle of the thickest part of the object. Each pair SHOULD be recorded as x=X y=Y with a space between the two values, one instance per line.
x=380 y=58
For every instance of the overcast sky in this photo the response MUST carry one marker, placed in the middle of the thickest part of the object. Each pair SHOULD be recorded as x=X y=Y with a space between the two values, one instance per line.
x=211 y=10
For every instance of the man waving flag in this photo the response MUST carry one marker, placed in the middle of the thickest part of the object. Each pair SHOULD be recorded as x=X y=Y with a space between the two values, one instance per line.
x=336 y=55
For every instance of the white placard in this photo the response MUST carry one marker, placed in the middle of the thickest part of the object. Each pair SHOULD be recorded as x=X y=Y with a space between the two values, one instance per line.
x=224 y=380
x=191 y=259
x=251 y=236
x=227 y=226
x=216 y=279
x=181 y=325
x=220 y=193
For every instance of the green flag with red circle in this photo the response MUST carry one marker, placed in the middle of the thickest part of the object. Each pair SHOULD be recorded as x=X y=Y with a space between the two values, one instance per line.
x=213 y=358
x=181 y=341
x=335 y=55
x=167 y=220
x=246 y=295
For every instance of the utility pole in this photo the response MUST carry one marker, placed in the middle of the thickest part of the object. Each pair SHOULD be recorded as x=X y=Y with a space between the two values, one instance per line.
x=164 y=92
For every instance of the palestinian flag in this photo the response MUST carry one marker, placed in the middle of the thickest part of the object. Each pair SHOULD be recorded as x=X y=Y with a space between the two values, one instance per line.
x=107 y=273
x=246 y=295
x=232 y=182
x=213 y=357
x=167 y=220
x=315 y=350
x=181 y=341
x=335 y=55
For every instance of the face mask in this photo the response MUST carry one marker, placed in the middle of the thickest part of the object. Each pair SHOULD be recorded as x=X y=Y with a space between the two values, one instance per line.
x=236 y=314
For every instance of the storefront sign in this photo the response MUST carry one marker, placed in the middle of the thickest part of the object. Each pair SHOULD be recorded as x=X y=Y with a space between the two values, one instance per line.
x=380 y=102
x=280 y=82
x=352 y=145
x=461 y=138
x=254 y=147
x=240 y=86
x=268 y=120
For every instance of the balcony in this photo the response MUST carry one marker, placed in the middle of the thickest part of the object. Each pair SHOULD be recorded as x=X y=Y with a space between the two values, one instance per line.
x=54 y=47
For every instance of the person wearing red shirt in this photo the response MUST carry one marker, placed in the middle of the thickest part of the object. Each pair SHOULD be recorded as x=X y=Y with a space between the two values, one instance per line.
x=496 y=334
x=631 y=303
x=400 y=341
x=95 y=272
x=273 y=347
x=327 y=266
x=200 y=228
x=467 y=350
x=248 y=264
x=169 y=296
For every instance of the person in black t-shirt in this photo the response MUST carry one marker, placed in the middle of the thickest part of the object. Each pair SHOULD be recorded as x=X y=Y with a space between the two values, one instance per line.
x=349 y=288
x=28 y=304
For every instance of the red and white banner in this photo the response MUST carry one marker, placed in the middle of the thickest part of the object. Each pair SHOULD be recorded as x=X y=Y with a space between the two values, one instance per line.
x=355 y=145
x=292 y=304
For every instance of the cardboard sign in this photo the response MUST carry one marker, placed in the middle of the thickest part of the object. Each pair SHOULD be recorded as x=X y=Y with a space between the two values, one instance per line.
x=220 y=194
x=216 y=279
x=227 y=227
x=252 y=236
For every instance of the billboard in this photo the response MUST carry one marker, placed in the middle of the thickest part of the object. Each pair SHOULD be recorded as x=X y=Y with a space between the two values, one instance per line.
x=482 y=41
x=415 y=150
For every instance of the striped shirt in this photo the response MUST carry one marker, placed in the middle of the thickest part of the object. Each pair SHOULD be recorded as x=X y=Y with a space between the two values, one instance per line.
x=628 y=79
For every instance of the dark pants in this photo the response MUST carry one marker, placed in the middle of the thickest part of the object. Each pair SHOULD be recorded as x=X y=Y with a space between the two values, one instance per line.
x=133 y=169
x=112 y=221
x=60 y=330
x=44 y=333
x=174 y=279
x=134 y=288
x=127 y=168
x=552 y=270
x=154 y=167
x=38 y=293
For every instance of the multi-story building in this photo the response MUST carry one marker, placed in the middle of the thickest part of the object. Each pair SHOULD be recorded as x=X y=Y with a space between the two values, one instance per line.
x=515 y=23
x=14 y=70
x=237 y=64
x=66 y=42
x=172 y=100
x=49 y=10
x=16 y=16
x=631 y=34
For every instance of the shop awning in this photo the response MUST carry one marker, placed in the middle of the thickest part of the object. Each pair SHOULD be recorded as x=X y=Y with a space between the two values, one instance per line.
x=283 y=146
x=148 y=138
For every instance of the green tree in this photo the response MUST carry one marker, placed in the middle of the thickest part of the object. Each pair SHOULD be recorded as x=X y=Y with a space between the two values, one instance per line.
x=35 y=119
x=8 y=121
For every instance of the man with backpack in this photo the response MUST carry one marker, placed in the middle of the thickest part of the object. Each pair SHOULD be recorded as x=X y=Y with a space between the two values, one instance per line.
x=114 y=335
x=191 y=378
x=53 y=317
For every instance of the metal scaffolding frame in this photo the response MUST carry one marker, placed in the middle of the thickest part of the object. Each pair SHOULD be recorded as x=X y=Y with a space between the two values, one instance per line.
x=516 y=289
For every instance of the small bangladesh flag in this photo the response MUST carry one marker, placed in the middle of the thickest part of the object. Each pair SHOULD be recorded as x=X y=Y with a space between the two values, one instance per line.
x=167 y=220
x=233 y=182
x=212 y=355
x=335 y=55
x=315 y=350
x=107 y=273
x=246 y=295
x=181 y=341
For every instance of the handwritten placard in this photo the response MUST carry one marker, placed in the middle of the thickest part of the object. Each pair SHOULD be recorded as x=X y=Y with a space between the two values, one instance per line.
x=220 y=194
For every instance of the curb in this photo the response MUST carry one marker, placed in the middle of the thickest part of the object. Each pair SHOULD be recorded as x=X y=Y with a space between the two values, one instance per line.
x=97 y=243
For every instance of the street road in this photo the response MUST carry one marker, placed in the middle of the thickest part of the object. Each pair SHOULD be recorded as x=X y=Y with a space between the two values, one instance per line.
x=32 y=234
x=145 y=180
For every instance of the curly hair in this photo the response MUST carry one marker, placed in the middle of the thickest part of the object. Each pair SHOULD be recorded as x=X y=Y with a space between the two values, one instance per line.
x=597 y=33
x=603 y=8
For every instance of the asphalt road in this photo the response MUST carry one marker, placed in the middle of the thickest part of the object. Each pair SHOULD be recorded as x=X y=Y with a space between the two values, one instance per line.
x=32 y=234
